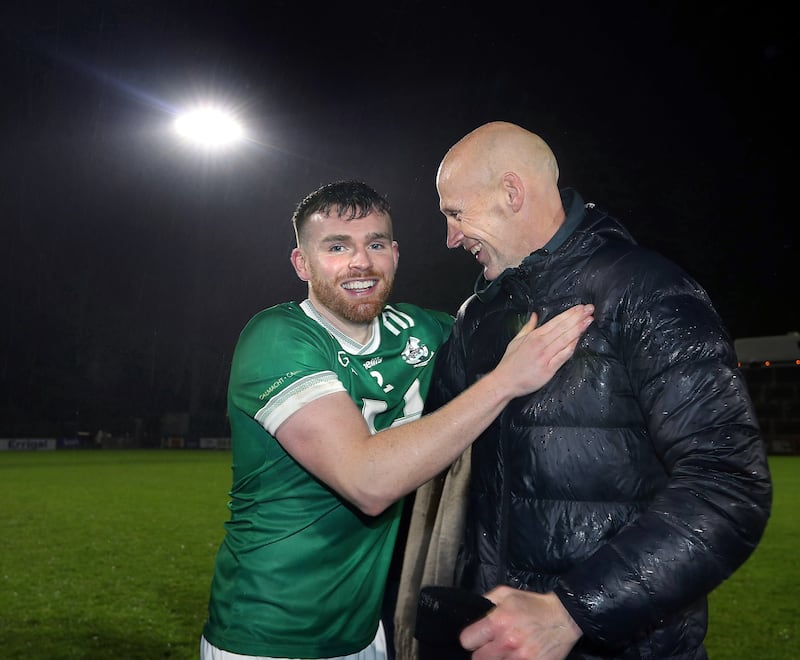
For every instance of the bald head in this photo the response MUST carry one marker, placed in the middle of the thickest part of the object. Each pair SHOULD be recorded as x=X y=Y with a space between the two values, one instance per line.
x=497 y=147
x=498 y=190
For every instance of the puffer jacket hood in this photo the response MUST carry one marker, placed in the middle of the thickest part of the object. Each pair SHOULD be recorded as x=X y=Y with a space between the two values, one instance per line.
x=634 y=482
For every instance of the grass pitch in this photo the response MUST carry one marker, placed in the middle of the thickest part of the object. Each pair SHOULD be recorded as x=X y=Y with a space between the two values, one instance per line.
x=109 y=554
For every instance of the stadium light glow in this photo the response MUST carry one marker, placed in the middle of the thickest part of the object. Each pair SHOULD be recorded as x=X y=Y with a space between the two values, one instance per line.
x=210 y=127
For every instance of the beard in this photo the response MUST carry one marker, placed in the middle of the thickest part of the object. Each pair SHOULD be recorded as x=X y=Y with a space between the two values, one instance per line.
x=331 y=295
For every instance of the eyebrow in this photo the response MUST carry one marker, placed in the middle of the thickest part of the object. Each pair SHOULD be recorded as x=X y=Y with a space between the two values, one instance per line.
x=343 y=238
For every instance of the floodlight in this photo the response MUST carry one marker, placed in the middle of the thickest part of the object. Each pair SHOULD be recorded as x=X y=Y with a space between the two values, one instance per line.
x=211 y=127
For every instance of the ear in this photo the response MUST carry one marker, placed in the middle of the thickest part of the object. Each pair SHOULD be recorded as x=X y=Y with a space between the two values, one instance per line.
x=513 y=191
x=298 y=260
x=396 y=253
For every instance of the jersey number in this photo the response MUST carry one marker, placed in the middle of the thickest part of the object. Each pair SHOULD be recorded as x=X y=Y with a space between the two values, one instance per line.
x=412 y=409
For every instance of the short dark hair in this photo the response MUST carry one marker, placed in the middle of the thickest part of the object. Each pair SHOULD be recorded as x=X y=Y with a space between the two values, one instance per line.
x=350 y=199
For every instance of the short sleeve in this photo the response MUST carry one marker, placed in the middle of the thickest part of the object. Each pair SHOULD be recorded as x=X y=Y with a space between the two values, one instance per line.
x=280 y=364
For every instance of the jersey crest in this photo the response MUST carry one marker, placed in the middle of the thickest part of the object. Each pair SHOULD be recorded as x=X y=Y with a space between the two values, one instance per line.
x=416 y=354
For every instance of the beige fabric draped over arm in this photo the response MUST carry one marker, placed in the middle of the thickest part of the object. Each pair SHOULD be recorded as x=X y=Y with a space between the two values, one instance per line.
x=434 y=536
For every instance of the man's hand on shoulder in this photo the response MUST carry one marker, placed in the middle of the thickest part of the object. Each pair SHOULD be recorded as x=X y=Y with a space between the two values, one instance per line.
x=536 y=353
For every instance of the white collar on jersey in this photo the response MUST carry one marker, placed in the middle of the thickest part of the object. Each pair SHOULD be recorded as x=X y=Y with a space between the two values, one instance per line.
x=350 y=345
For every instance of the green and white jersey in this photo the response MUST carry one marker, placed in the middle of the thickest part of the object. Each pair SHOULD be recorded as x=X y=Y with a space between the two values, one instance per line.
x=301 y=572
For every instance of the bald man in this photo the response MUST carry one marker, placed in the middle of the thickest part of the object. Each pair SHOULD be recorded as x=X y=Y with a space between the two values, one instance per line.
x=602 y=509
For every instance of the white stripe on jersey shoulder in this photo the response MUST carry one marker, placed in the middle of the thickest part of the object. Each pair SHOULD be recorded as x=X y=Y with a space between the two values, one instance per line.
x=396 y=321
x=309 y=388
x=349 y=345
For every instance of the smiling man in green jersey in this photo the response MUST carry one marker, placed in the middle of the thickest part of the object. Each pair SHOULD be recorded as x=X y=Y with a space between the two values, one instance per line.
x=325 y=400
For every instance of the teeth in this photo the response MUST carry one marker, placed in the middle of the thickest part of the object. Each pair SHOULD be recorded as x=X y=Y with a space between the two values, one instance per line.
x=475 y=249
x=361 y=284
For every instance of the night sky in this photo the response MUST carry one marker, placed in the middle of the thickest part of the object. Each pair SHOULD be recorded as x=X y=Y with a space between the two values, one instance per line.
x=131 y=260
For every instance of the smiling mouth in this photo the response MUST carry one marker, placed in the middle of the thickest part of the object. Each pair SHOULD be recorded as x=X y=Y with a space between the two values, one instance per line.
x=359 y=285
x=475 y=249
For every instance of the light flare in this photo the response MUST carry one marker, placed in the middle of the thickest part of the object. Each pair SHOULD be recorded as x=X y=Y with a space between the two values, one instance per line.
x=211 y=127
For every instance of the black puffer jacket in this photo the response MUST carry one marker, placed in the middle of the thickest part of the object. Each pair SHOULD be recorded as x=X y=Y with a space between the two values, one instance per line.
x=636 y=481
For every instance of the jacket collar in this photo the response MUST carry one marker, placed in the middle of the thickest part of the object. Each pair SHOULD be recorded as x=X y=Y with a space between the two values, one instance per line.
x=486 y=290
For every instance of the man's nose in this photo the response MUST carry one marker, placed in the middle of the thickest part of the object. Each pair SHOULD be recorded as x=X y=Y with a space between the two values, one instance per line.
x=454 y=235
x=360 y=259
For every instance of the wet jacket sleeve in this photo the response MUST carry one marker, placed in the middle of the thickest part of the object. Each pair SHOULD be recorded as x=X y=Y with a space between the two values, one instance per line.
x=709 y=518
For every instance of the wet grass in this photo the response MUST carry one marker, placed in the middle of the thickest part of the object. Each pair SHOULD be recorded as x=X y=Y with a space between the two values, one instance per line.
x=108 y=555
